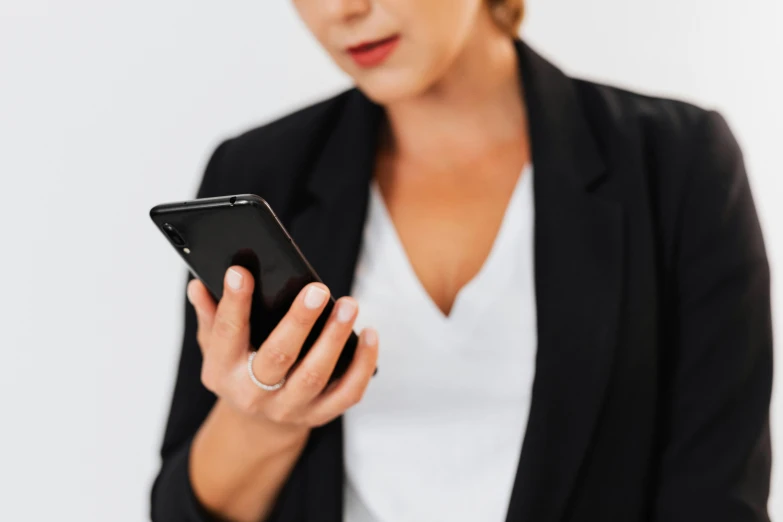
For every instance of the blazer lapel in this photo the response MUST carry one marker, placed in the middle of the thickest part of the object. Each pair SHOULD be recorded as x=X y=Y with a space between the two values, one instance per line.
x=328 y=229
x=330 y=222
x=578 y=282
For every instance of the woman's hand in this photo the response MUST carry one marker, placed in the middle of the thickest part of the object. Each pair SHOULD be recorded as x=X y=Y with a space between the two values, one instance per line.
x=303 y=402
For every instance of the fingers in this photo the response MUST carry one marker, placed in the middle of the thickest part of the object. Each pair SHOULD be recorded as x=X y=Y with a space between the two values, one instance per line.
x=224 y=334
x=280 y=350
x=311 y=376
x=231 y=323
x=351 y=387
x=205 y=307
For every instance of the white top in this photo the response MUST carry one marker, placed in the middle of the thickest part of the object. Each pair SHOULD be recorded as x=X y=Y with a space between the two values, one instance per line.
x=439 y=431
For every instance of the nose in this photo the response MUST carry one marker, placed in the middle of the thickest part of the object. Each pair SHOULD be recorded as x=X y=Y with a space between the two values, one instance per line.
x=346 y=10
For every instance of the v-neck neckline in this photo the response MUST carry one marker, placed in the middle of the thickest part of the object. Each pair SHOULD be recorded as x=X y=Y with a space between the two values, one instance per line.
x=481 y=278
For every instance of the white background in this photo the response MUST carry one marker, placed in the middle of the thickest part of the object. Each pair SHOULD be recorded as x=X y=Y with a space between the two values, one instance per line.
x=107 y=109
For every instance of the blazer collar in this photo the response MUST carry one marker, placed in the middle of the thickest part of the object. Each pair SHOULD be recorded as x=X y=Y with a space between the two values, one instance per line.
x=561 y=140
x=347 y=159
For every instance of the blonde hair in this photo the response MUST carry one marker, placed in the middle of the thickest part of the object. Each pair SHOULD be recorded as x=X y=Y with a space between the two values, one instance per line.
x=508 y=14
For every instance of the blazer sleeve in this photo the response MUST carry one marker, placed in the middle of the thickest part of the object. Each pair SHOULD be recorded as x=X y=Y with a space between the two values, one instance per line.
x=172 y=496
x=716 y=456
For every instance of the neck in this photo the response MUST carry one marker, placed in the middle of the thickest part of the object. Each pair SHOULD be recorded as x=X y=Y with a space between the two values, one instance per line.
x=475 y=107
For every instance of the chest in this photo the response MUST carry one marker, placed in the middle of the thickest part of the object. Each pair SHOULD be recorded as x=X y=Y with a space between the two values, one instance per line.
x=447 y=220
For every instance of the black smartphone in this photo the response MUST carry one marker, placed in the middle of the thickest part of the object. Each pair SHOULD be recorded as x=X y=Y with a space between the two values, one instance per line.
x=212 y=234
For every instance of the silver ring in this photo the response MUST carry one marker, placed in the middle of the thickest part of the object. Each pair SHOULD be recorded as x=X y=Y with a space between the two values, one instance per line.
x=256 y=381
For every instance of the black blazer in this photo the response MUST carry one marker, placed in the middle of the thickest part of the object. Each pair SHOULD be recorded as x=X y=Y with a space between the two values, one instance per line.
x=654 y=366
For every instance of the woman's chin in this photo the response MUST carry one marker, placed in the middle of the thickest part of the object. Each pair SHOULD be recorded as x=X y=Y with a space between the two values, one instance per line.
x=390 y=85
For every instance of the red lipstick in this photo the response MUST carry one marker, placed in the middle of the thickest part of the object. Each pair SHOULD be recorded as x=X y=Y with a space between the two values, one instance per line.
x=371 y=54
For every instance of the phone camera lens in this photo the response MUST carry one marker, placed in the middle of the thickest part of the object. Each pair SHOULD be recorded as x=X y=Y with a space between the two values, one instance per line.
x=174 y=235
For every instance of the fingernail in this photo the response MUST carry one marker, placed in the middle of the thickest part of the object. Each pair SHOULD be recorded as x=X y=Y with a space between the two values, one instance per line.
x=315 y=297
x=234 y=279
x=345 y=311
x=370 y=337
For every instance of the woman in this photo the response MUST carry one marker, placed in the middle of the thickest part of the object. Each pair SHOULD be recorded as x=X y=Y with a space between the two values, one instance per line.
x=608 y=360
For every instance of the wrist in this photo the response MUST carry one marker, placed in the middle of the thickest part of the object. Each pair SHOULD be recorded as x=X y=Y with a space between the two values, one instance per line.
x=253 y=431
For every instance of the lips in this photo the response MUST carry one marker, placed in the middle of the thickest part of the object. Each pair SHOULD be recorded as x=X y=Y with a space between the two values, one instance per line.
x=371 y=54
